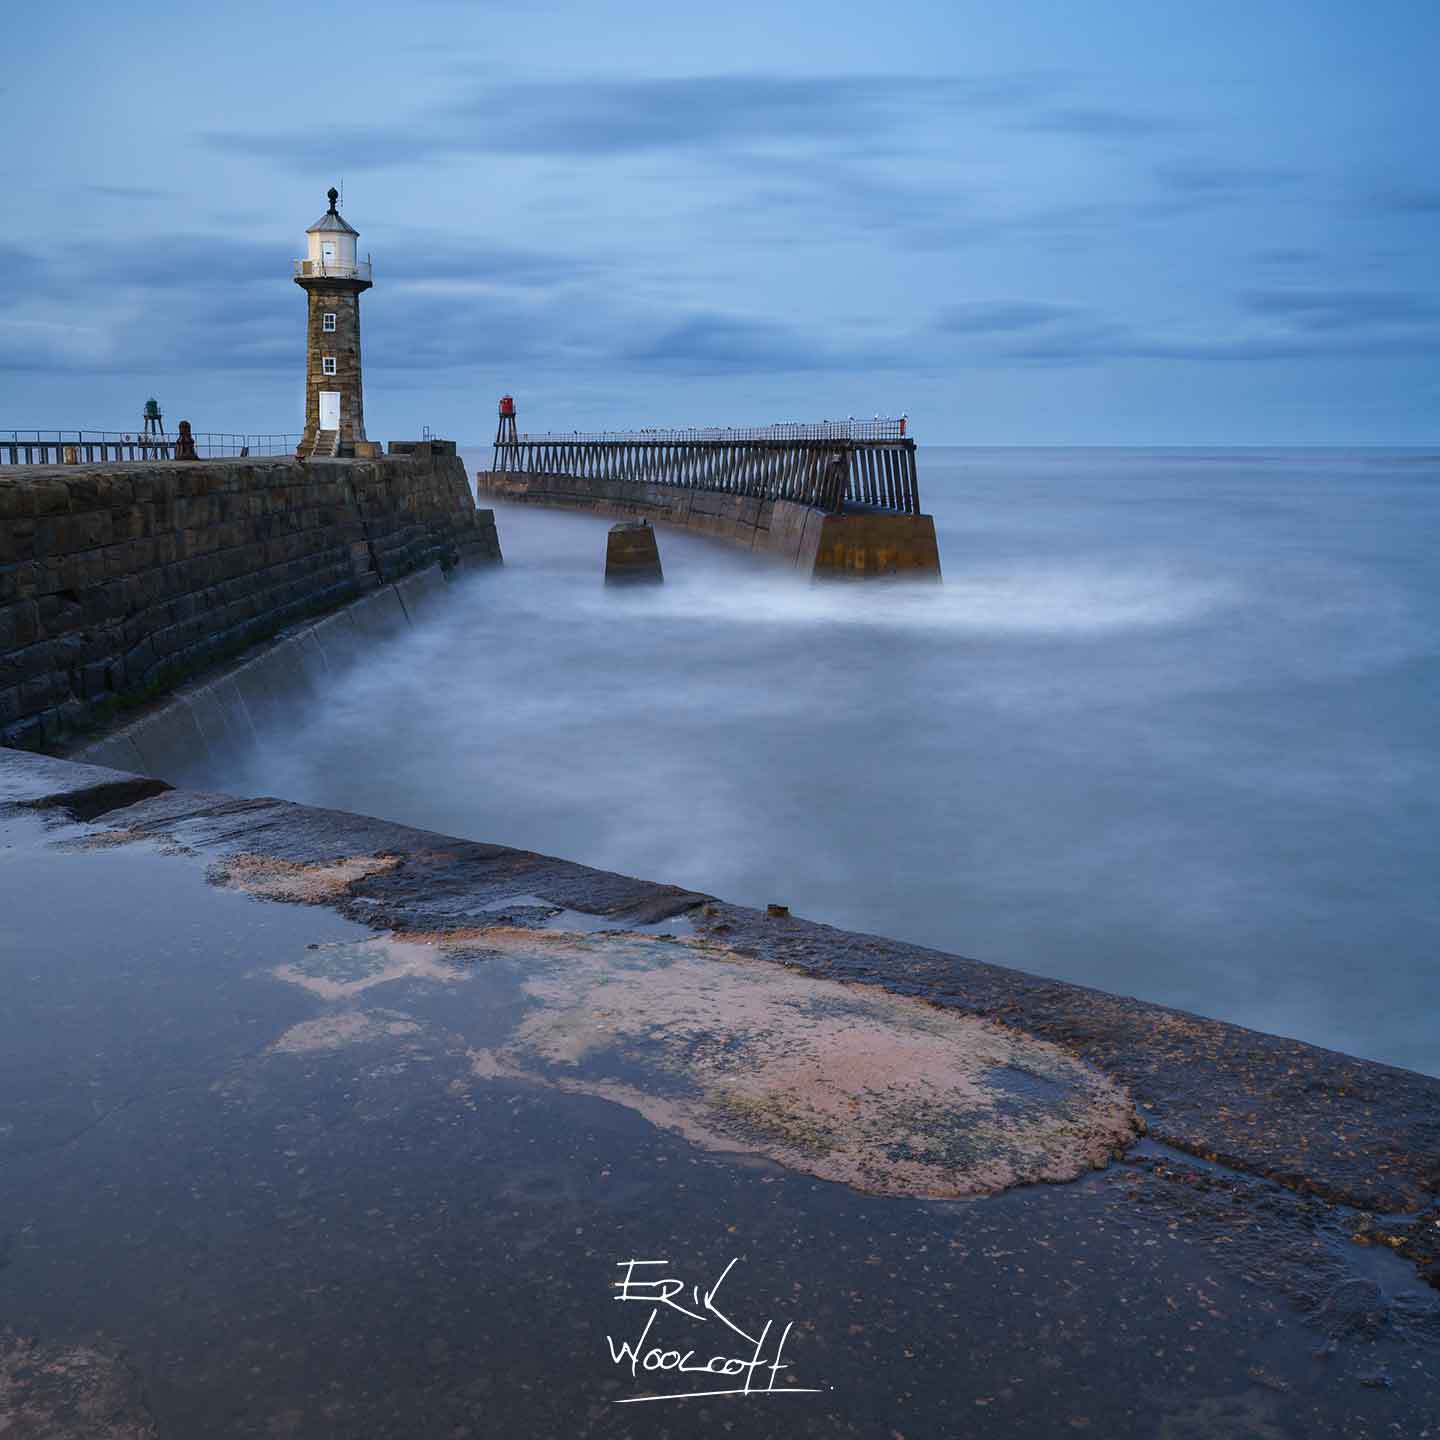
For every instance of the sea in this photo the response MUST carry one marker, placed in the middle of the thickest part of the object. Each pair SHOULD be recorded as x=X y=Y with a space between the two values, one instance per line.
x=1170 y=727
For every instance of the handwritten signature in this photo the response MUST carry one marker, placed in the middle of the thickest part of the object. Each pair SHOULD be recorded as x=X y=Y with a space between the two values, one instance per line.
x=660 y=1293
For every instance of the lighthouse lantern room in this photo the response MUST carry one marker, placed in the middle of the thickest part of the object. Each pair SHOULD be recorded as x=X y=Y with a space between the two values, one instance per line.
x=333 y=277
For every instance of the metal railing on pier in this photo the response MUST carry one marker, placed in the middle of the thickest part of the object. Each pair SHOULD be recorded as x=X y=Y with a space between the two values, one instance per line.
x=877 y=429
x=92 y=447
x=828 y=466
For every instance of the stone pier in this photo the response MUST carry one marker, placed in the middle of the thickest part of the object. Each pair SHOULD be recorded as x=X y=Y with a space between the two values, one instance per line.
x=118 y=581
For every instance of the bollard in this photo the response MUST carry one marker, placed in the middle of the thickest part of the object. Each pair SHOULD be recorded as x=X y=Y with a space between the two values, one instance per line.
x=631 y=554
x=185 y=443
x=72 y=455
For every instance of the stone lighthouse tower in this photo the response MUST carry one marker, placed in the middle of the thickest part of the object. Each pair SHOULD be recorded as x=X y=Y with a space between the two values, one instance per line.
x=333 y=277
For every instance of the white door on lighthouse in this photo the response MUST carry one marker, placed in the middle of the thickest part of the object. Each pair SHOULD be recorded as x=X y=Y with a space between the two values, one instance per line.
x=327 y=254
x=329 y=409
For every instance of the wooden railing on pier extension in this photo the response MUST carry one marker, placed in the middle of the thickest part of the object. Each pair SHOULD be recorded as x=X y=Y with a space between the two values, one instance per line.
x=859 y=465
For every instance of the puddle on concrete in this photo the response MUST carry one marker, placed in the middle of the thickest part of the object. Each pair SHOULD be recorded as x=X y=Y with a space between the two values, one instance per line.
x=344 y=970
x=344 y=1027
x=350 y=1233
x=123 y=971
x=844 y=1082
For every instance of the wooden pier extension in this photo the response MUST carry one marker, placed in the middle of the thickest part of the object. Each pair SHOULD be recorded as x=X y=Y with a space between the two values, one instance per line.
x=834 y=499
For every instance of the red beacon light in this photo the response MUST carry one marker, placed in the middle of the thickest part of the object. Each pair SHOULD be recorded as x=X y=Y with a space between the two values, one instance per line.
x=505 y=432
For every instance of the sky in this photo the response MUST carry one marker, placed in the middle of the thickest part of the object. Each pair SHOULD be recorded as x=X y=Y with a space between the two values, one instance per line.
x=1042 y=222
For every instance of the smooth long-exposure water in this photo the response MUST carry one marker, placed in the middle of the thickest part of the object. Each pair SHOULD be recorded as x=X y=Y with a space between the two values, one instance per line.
x=1169 y=728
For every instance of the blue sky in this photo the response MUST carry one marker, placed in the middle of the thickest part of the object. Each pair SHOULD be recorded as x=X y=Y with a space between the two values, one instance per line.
x=1040 y=222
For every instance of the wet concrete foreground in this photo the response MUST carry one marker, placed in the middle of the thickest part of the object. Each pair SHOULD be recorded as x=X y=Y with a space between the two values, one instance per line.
x=316 y=1126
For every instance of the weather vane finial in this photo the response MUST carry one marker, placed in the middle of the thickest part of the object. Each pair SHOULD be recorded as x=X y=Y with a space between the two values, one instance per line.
x=334 y=195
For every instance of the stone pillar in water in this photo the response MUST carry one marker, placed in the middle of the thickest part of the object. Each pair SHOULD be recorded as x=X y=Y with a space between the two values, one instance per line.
x=632 y=556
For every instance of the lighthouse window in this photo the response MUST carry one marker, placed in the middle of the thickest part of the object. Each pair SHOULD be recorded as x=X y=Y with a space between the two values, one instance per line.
x=327 y=364
x=329 y=321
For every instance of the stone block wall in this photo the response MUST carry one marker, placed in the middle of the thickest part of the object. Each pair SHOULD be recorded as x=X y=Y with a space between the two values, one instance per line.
x=118 y=581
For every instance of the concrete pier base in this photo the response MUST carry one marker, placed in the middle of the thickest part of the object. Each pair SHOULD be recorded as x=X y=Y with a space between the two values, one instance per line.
x=857 y=543
x=632 y=556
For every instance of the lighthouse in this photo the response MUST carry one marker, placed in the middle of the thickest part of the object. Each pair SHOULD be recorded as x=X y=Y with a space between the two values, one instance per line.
x=333 y=278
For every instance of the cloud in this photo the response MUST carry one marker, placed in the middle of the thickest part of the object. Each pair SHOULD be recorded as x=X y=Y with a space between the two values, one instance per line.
x=1281 y=346
x=986 y=317
x=125 y=192
x=1184 y=187
x=824 y=199
x=1100 y=342
x=1407 y=199
x=1099 y=123
x=1301 y=324
x=1281 y=256
x=591 y=118
x=46 y=346
x=439 y=333
x=714 y=344
x=1344 y=309
x=1223 y=182
x=1078 y=340
x=1026 y=332
x=209 y=302
x=179 y=262
x=17 y=267
x=433 y=259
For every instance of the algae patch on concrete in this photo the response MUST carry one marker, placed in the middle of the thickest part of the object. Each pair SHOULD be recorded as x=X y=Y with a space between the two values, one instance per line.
x=846 y=1082
x=849 y=1083
x=309 y=884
